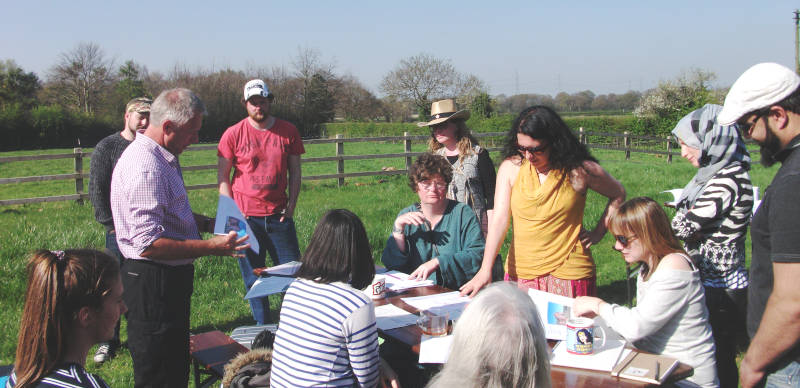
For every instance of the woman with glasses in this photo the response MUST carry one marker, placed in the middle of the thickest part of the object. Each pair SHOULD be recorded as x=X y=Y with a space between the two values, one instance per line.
x=542 y=186
x=473 y=171
x=713 y=213
x=436 y=238
x=670 y=315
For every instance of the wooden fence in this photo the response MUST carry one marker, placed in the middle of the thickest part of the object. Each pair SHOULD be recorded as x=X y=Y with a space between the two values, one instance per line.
x=610 y=141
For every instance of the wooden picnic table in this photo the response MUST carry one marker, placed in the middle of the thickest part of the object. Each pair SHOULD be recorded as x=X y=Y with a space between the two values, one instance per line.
x=561 y=376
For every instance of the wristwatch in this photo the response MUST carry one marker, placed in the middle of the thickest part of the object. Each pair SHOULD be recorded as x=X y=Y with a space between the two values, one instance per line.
x=395 y=230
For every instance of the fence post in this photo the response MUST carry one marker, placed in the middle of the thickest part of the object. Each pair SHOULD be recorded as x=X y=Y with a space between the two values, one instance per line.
x=78 y=173
x=407 y=144
x=340 y=162
x=669 y=150
x=627 y=145
x=581 y=136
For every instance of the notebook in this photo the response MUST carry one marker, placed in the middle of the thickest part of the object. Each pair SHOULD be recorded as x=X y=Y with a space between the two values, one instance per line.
x=650 y=368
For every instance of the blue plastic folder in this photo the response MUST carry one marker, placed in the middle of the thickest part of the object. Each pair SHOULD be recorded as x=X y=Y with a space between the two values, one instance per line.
x=229 y=218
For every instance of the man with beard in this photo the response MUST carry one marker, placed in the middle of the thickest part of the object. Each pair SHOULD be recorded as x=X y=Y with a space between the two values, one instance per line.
x=104 y=158
x=262 y=148
x=765 y=103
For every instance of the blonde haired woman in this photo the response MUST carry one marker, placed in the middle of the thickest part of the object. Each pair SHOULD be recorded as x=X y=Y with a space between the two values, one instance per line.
x=473 y=171
x=670 y=316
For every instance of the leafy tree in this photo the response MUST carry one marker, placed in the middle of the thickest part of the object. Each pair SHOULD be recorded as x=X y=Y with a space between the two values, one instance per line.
x=17 y=86
x=130 y=81
x=318 y=105
x=481 y=105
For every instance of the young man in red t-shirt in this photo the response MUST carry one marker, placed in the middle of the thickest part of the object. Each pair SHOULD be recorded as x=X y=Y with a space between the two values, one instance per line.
x=262 y=148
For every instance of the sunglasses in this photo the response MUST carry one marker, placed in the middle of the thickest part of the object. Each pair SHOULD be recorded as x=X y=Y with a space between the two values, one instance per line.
x=533 y=150
x=624 y=241
x=746 y=126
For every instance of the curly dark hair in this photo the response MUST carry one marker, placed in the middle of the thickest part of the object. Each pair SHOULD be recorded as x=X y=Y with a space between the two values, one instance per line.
x=542 y=123
x=428 y=165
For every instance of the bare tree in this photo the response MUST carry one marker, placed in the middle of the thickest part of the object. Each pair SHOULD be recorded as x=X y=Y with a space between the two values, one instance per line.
x=424 y=78
x=82 y=76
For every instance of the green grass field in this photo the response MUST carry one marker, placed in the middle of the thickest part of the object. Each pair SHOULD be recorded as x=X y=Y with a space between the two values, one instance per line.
x=217 y=303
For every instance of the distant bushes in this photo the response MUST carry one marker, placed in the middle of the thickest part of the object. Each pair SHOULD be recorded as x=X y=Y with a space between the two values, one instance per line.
x=50 y=126
x=647 y=126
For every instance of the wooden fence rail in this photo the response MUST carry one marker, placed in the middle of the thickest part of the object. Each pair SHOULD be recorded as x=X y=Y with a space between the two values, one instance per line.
x=78 y=156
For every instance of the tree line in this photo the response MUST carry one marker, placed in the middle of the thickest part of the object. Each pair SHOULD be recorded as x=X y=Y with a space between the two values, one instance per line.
x=81 y=98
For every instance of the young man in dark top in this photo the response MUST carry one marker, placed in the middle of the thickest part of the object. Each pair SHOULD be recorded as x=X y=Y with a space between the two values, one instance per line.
x=765 y=103
x=104 y=158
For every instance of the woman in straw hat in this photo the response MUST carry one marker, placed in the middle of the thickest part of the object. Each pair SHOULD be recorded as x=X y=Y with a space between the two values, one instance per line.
x=542 y=186
x=473 y=171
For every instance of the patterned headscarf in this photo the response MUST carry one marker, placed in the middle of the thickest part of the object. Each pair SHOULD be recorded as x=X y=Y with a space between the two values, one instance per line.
x=719 y=145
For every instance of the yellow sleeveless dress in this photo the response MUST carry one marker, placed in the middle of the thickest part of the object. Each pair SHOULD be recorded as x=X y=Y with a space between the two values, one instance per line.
x=547 y=219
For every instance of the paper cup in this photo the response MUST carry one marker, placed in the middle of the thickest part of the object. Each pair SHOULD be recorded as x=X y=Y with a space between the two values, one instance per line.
x=377 y=289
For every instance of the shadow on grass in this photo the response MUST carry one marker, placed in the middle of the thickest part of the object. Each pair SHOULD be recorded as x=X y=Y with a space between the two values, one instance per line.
x=616 y=292
x=225 y=326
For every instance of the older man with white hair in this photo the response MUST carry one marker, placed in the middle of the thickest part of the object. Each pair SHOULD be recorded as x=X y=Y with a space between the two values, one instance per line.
x=765 y=103
x=159 y=237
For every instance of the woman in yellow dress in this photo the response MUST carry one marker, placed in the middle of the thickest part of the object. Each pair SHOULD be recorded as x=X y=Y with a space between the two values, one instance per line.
x=542 y=186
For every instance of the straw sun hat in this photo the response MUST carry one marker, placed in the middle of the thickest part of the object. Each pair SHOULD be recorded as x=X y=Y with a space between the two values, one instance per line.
x=442 y=111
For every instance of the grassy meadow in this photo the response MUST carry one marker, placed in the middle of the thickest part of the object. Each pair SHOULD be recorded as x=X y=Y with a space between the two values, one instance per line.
x=217 y=303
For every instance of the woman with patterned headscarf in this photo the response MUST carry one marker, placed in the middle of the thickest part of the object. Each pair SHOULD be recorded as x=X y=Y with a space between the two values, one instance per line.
x=713 y=212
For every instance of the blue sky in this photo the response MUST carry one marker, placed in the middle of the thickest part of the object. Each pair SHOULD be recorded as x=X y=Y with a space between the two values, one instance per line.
x=514 y=46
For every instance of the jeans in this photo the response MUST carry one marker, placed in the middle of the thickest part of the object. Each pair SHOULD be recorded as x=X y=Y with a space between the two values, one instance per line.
x=786 y=377
x=726 y=314
x=113 y=249
x=280 y=240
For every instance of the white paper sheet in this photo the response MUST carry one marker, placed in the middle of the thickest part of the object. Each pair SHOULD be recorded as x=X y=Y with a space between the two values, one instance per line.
x=229 y=218
x=268 y=286
x=553 y=311
x=602 y=359
x=449 y=302
x=390 y=317
x=434 y=350
x=285 y=269
x=399 y=281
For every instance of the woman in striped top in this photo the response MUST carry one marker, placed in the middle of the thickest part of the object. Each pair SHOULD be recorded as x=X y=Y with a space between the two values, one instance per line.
x=712 y=217
x=327 y=334
x=73 y=301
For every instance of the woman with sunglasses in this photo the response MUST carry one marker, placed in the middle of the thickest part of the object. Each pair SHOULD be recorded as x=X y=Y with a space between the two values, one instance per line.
x=436 y=238
x=670 y=316
x=713 y=213
x=473 y=171
x=542 y=186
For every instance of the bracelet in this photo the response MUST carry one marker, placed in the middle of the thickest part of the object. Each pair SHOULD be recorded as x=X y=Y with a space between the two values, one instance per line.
x=395 y=230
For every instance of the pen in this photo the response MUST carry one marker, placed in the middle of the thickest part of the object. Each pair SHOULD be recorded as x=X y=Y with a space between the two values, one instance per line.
x=658 y=366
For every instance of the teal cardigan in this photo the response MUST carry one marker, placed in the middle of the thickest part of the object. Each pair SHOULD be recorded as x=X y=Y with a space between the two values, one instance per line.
x=456 y=238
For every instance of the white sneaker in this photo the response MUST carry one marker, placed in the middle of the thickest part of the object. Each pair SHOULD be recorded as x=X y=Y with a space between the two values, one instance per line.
x=104 y=353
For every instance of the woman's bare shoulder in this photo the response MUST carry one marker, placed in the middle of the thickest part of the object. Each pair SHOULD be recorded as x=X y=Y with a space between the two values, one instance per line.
x=675 y=261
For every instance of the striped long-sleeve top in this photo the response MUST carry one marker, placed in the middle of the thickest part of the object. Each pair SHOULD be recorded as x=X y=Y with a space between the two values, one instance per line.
x=714 y=229
x=327 y=337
